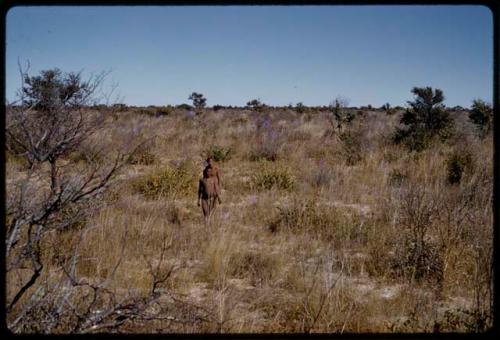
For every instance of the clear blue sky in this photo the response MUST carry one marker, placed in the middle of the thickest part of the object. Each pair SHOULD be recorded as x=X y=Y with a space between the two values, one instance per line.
x=280 y=54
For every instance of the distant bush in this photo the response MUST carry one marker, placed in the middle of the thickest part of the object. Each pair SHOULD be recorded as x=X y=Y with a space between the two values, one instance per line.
x=387 y=108
x=350 y=141
x=425 y=119
x=481 y=115
x=273 y=175
x=217 y=107
x=300 y=108
x=217 y=153
x=168 y=182
x=120 y=107
x=163 y=111
x=184 y=107
x=456 y=164
x=339 y=116
x=199 y=101
x=256 y=105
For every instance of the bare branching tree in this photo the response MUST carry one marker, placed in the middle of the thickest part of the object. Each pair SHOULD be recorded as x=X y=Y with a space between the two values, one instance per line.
x=50 y=120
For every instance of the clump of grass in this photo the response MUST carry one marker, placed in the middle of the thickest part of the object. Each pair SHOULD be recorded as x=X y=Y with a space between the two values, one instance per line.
x=168 y=182
x=397 y=177
x=258 y=267
x=217 y=153
x=269 y=141
x=325 y=223
x=272 y=175
x=322 y=175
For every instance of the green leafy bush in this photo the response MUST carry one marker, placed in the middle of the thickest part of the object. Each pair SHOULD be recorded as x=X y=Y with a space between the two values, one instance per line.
x=273 y=175
x=169 y=182
x=481 y=115
x=456 y=165
x=350 y=141
x=217 y=153
x=425 y=119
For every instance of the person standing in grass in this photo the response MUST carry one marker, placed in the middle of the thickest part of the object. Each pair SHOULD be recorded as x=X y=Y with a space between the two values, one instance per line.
x=215 y=168
x=208 y=193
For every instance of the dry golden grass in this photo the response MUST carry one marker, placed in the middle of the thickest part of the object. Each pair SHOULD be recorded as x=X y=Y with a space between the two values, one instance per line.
x=321 y=255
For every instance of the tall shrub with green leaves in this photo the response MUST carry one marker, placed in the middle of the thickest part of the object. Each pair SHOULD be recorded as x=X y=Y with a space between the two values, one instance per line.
x=481 y=115
x=425 y=119
x=339 y=117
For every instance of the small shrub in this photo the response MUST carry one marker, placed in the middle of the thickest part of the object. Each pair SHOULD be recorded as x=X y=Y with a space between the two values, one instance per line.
x=481 y=115
x=425 y=119
x=274 y=176
x=418 y=261
x=300 y=108
x=351 y=146
x=184 y=107
x=167 y=182
x=456 y=165
x=217 y=153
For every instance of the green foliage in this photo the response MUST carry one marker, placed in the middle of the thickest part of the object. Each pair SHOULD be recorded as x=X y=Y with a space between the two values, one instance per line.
x=456 y=164
x=387 y=108
x=273 y=175
x=300 y=108
x=184 y=107
x=425 y=119
x=339 y=116
x=481 y=115
x=199 y=102
x=351 y=146
x=53 y=89
x=217 y=153
x=167 y=182
x=256 y=105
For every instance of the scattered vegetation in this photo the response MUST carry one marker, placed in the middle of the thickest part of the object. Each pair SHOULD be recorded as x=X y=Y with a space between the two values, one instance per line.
x=322 y=228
